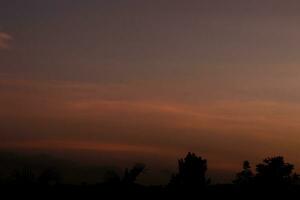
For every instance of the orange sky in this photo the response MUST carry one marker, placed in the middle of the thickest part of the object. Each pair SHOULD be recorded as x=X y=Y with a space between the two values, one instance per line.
x=155 y=78
x=57 y=115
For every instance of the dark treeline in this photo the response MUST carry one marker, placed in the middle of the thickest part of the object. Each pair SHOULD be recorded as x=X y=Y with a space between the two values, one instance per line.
x=272 y=177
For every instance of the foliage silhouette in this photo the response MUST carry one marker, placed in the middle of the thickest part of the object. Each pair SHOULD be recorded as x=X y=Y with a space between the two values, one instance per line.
x=191 y=172
x=273 y=177
x=246 y=176
x=275 y=171
x=129 y=177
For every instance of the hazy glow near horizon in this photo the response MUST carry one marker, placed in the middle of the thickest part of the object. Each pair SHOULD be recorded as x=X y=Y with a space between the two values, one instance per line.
x=158 y=78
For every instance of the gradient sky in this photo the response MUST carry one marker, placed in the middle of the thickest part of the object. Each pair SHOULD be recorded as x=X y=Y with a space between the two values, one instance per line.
x=152 y=78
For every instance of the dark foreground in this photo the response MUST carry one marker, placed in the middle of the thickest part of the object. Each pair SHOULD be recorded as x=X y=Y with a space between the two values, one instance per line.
x=272 y=179
x=229 y=191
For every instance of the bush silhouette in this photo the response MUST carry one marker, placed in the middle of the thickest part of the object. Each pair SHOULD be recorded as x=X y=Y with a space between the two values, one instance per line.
x=191 y=174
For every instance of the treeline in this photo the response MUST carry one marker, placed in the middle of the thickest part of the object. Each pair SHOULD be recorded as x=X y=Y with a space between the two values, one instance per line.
x=273 y=171
x=273 y=174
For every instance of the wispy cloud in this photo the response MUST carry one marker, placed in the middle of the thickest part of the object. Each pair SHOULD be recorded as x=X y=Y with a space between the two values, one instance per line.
x=5 y=40
x=87 y=116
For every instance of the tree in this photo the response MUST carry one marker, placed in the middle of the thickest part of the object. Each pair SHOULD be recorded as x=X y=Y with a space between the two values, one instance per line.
x=191 y=172
x=275 y=171
x=245 y=177
x=129 y=178
x=130 y=175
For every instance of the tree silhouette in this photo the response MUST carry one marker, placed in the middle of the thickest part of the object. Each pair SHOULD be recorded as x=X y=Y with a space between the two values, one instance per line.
x=191 y=174
x=130 y=175
x=275 y=172
x=245 y=177
x=274 y=177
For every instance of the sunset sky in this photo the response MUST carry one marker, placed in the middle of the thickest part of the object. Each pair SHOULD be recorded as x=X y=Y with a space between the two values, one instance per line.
x=152 y=79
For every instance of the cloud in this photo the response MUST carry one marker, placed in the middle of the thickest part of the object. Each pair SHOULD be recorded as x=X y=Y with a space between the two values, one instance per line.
x=111 y=118
x=5 y=40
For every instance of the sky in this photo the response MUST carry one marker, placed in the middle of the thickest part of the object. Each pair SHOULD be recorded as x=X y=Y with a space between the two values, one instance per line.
x=152 y=80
